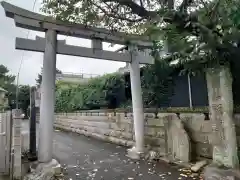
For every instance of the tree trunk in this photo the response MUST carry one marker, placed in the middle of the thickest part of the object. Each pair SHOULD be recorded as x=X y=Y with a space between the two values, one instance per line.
x=219 y=84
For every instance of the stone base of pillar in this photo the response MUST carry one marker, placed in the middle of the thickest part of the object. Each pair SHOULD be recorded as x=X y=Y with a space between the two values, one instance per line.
x=212 y=172
x=46 y=171
x=133 y=153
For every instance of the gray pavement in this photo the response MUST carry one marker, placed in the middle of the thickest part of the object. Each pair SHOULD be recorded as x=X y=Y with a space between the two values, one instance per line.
x=85 y=158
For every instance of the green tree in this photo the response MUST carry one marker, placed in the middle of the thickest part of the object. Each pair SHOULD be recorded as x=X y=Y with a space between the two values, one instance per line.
x=5 y=79
x=7 y=82
x=157 y=84
x=39 y=78
x=24 y=98
x=107 y=91
x=202 y=35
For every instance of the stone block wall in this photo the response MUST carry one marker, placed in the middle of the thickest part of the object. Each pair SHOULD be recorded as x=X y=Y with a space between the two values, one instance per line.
x=117 y=127
x=114 y=127
x=17 y=144
x=199 y=129
x=237 y=121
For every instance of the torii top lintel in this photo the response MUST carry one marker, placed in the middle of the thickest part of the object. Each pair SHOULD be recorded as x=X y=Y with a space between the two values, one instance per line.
x=34 y=21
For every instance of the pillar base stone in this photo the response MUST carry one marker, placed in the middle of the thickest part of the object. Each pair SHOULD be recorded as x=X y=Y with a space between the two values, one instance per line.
x=212 y=172
x=46 y=171
x=133 y=153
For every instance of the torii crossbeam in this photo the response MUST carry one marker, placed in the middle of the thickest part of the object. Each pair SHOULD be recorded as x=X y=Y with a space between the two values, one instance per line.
x=51 y=47
x=38 y=45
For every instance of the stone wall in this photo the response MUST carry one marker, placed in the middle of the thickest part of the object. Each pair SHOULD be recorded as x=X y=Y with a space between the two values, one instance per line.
x=17 y=144
x=117 y=127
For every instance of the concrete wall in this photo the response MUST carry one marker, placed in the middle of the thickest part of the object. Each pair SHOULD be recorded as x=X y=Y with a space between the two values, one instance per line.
x=118 y=128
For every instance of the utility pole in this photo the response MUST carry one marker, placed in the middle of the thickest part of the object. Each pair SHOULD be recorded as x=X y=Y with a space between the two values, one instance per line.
x=189 y=91
x=32 y=126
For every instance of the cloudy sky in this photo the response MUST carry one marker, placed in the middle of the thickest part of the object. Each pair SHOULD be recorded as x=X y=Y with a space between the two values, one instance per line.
x=32 y=61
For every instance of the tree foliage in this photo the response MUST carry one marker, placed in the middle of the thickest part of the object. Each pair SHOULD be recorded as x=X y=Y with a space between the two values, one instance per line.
x=7 y=82
x=108 y=91
x=157 y=84
x=39 y=78
x=202 y=33
x=101 y=92
x=24 y=98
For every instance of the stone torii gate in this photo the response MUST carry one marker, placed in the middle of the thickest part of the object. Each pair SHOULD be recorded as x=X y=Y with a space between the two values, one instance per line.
x=50 y=46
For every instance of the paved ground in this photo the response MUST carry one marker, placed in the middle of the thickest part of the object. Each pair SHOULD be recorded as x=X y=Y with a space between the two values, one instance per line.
x=86 y=158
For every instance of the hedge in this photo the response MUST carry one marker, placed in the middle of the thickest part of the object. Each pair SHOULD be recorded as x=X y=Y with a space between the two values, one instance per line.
x=108 y=91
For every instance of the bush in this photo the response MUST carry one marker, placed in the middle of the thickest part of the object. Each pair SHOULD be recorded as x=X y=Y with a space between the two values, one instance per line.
x=157 y=84
x=107 y=91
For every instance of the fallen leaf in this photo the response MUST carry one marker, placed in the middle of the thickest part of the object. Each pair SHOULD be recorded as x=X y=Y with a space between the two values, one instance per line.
x=184 y=175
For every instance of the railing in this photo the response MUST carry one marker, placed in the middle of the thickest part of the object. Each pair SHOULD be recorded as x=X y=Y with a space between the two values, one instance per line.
x=76 y=75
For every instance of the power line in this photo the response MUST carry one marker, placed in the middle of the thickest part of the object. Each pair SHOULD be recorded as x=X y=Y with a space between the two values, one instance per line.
x=22 y=58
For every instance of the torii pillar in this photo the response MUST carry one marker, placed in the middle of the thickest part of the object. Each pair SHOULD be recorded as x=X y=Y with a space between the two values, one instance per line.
x=50 y=47
x=47 y=98
x=137 y=103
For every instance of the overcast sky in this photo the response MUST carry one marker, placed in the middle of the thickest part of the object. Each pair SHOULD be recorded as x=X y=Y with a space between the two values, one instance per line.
x=32 y=61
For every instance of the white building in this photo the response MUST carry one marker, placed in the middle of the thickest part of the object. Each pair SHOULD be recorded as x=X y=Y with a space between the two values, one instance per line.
x=74 y=78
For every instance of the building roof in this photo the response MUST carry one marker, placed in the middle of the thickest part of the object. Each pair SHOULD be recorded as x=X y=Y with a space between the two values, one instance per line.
x=2 y=90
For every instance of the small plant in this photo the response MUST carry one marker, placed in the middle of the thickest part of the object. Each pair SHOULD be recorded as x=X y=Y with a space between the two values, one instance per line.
x=25 y=153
